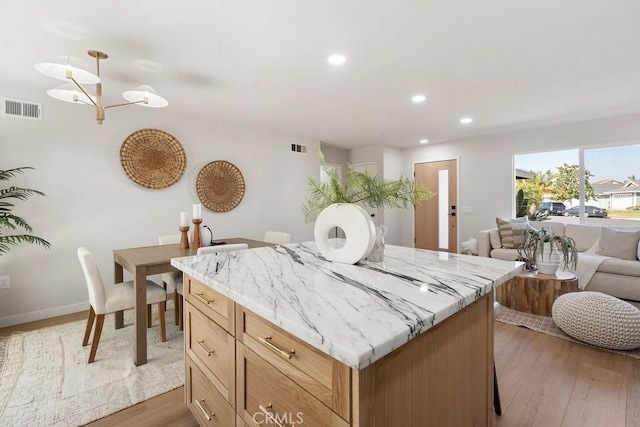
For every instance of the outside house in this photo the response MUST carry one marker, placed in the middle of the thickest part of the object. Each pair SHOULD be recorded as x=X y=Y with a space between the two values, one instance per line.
x=613 y=194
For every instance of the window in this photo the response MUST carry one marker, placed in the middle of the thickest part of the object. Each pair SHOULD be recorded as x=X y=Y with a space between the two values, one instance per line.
x=592 y=183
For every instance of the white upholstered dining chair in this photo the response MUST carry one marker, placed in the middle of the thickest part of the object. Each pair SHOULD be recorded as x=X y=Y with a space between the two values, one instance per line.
x=222 y=248
x=173 y=279
x=176 y=280
x=277 y=237
x=112 y=298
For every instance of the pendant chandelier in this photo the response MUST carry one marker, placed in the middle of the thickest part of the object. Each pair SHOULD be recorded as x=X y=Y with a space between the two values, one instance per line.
x=73 y=91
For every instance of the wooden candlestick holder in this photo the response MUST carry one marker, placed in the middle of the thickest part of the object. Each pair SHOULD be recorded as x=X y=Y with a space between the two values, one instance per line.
x=184 y=237
x=196 y=233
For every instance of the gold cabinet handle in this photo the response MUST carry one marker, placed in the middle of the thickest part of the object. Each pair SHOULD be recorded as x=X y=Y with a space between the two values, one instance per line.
x=205 y=349
x=270 y=415
x=204 y=411
x=265 y=341
x=200 y=296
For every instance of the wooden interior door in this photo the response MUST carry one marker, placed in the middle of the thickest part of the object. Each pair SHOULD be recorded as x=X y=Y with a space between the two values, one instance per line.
x=436 y=219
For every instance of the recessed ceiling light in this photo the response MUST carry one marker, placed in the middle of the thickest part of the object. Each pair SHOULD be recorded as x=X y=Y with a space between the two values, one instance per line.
x=466 y=120
x=418 y=98
x=424 y=141
x=337 y=59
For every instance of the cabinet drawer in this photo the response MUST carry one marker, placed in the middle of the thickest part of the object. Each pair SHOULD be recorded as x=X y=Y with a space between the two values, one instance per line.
x=319 y=374
x=212 y=349
x=205 y=403
x=266 y=395
x=213 y=304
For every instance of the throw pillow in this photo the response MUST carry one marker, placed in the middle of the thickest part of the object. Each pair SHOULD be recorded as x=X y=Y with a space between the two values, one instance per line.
x=494 y=238
x=512 y=231
x=619 y=243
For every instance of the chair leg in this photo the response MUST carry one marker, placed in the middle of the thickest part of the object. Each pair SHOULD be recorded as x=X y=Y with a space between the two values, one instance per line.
x=162 y=306
x=176 y=308
x=87 y=331
x=164 y=285
x=149 y=320
x=181 y=312
x=496 y=392
x=96 y=337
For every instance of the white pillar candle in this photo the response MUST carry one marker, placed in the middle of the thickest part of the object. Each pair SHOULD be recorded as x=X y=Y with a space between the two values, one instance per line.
x=184 y=219
x=197 y=211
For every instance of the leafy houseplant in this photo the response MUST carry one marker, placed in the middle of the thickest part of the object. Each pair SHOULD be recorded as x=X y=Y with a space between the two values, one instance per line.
x=535 y=243
x=10 y=222
x=362 y=187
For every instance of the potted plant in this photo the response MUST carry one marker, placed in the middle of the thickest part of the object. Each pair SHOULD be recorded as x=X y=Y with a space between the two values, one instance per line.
x=545 y=252
x=333 y=205
x=10 y=222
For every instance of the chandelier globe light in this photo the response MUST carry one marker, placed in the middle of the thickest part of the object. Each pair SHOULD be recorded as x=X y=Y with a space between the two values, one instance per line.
x=67 y=70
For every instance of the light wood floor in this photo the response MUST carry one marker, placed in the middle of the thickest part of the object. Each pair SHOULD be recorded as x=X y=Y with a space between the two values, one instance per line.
x=544 y=381
x=547 y=381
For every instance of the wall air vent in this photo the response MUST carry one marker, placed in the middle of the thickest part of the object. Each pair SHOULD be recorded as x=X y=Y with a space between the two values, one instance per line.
x=297 y=148
x=21 y=109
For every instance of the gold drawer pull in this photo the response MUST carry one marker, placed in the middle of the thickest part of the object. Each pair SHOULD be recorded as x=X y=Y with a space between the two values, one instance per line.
x=205 y=349
x=286 y=355
x=200 y=296
x=270 y=415
x=204 y=411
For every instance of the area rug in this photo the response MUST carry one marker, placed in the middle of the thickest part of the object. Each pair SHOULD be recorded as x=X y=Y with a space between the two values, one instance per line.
x=46 y=381
x=546 y=325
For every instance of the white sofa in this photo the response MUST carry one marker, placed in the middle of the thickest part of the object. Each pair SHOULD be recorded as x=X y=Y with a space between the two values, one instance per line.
x=617 y=277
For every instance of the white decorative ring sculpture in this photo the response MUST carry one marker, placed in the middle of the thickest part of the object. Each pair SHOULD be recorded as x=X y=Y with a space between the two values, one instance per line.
x=358 y=228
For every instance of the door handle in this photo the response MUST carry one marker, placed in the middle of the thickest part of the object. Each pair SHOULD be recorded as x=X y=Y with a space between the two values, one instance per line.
x=452 y=214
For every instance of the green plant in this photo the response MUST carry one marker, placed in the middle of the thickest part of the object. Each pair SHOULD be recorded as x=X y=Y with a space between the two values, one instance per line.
x=522 y=204
x=534 y=243
x=10 y=222
x=362 y=187
x=539 y=216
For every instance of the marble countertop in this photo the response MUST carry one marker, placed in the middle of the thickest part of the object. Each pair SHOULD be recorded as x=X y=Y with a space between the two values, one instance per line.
x=355 y=313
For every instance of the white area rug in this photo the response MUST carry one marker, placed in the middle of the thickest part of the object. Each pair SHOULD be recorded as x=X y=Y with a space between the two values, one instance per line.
x=46 y=381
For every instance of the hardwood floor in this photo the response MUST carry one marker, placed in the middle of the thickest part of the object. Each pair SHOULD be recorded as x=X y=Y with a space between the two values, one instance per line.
x=544 y=381
x=547 y=381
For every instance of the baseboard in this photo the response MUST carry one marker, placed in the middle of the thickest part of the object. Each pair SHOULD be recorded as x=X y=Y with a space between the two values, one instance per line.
x=43 y=314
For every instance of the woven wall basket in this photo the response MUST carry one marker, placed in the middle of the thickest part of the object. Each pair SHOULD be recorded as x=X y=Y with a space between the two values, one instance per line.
x=153 y=158
x=220 y=186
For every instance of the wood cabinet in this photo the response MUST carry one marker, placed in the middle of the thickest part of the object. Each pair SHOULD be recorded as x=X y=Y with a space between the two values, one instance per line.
x=245 y=371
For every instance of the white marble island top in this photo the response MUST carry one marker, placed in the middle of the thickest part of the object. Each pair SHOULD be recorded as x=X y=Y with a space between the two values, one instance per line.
x=355 y=313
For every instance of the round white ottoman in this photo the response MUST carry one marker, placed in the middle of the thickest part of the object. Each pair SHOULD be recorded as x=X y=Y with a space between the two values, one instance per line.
x=598 y=319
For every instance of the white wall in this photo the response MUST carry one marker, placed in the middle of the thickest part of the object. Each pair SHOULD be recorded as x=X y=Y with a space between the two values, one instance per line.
x=486 y=165
x=370 y=154
x=392 y=168
x=91 y=202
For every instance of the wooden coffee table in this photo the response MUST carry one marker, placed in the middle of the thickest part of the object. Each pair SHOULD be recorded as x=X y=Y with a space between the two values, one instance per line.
x=535 y=293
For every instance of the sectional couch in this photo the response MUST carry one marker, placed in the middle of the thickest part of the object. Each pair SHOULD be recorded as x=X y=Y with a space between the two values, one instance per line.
x=619 y=277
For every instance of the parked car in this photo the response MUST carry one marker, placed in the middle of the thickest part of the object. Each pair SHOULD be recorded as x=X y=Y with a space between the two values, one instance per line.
x=593 y=211
x=551 y=208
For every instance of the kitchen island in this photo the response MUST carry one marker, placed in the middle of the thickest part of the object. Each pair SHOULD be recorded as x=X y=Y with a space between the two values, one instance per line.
x=407 y=341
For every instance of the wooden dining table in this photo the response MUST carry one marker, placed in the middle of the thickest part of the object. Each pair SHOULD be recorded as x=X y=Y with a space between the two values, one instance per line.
x=145 y=261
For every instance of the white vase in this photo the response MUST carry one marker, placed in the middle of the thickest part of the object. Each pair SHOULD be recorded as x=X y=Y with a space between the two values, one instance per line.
x=549 y=261
x=377 y=253
x=360 y=233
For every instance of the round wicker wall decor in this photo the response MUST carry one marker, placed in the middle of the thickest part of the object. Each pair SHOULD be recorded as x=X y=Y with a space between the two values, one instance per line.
x=153 y=158
x=220 y=186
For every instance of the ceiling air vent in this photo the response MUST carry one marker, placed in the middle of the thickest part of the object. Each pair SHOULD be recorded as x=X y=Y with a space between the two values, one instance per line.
x=21 y=109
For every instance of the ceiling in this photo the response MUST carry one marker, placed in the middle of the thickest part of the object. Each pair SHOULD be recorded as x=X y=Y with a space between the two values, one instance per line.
x=510 y=65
